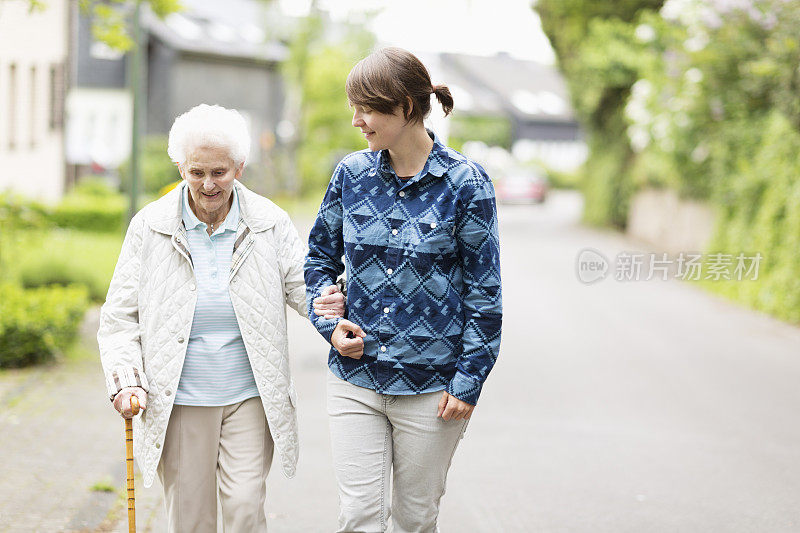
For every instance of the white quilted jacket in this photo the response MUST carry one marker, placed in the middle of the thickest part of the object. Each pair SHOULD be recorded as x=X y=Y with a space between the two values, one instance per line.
x=147 y=317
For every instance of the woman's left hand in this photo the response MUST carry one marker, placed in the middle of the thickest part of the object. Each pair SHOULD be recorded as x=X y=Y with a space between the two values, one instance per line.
x=451 y=408
x=330 y=304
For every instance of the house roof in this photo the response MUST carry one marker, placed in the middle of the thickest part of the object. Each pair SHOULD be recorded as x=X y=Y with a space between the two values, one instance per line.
x=525 y=89
x=234 y=28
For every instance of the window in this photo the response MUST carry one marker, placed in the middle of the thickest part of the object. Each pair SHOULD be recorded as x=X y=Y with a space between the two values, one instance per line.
x=12 y=106
x=32 y=108
x=56 y=96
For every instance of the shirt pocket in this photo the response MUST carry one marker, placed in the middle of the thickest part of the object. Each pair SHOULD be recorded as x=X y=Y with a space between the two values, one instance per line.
x=432 y=237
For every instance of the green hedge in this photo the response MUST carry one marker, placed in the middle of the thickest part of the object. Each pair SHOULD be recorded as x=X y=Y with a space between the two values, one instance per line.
x=63 y=272
x=702 y=98
x=64 y=257
x=760 y=213
x=90 y=206
x=105 y=214
x=38 y=324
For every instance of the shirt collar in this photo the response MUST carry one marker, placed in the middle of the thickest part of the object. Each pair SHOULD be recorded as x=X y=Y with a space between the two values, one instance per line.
x=437 y=163
x=190 y=220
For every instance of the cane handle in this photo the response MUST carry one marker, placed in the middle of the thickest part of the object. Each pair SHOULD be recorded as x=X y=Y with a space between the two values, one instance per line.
x=134 y=405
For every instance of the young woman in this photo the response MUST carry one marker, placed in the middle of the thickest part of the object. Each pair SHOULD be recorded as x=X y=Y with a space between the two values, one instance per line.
x=416 y=223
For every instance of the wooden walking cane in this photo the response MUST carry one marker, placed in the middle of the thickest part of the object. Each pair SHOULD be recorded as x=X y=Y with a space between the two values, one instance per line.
x=129 y=464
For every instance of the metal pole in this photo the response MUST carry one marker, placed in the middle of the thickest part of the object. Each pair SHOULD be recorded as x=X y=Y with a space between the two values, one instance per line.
x=135 y=83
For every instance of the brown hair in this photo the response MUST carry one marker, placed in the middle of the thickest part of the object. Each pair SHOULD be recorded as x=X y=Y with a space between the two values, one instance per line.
x=393 y=77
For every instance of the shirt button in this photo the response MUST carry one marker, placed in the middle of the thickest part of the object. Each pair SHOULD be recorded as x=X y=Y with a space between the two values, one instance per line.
x=177 y=239
x=394 y=232
x=389 y=271
x=158 y=445
x=385 y=309
x=181 y=339
x=192 y=287
x=168 y=392
x=401 y=194
x=383 y=348
x=433 y=225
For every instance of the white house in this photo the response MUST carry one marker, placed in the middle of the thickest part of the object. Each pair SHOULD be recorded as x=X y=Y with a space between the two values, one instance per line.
x=34 y=50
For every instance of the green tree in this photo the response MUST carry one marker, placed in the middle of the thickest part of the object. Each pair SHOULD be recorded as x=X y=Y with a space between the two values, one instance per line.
x=600 y=59
x=316 y=70
x=110 y=18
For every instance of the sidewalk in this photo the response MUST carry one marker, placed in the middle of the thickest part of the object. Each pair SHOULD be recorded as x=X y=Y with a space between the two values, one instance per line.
x=63 y=449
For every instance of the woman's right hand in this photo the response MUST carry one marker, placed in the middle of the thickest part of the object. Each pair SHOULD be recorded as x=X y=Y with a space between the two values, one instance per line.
x=352 y=346
x=122 y=401
x=330 y=303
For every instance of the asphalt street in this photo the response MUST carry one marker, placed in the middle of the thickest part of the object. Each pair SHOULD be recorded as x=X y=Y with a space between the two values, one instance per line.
x=639 y=406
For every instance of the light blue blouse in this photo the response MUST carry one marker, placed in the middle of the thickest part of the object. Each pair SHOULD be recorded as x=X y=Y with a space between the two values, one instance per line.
x=216 y=370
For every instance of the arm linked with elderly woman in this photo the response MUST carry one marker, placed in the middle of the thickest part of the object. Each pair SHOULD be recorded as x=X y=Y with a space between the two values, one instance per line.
x=194 y=325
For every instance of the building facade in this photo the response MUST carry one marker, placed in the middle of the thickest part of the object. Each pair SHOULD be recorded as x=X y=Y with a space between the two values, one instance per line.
x=34 y=58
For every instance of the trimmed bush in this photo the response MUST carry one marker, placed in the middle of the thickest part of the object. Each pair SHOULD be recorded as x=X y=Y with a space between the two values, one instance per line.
x=105 y=214
x=37 y=325
x=45 y=272
x=64 y=257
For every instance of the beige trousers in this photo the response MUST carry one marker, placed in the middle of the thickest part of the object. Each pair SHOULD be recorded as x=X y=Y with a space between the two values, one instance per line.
x=209 y=450
x=391 y=454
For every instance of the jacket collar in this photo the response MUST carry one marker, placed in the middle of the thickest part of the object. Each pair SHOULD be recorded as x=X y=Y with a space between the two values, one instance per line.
x=165 y=215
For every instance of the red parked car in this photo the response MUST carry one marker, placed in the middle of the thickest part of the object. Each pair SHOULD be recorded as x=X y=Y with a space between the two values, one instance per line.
x=521 y=187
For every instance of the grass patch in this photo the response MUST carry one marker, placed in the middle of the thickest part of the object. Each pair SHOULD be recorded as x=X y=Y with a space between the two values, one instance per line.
x=62 y=256
x=104 y=485
x=78 y=352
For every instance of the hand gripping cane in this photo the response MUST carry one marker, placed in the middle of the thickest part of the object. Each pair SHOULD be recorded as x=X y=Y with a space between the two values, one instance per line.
x=129 y=464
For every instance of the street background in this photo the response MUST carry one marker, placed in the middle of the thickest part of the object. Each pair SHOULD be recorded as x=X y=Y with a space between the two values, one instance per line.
x=621 y=137
x=638 y=406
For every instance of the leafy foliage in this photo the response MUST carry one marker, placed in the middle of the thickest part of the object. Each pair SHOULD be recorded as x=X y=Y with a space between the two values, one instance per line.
x=156 y=168
x=702 y=96
x=110 y=18
x=316 y=69
x=601 y=59
x=36 y=325
x=494 y=131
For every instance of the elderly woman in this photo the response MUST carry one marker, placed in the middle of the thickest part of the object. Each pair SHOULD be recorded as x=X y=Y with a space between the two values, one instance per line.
x=195 y=327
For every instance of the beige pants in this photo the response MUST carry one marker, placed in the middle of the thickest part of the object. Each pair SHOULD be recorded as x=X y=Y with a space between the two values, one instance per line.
x=216 y=449
x=391 y=455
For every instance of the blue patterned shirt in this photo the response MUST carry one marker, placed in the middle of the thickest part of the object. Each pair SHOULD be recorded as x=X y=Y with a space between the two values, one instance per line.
x=423 y=272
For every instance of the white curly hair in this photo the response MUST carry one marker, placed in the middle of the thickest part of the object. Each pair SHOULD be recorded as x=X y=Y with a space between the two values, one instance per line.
x=209 y=125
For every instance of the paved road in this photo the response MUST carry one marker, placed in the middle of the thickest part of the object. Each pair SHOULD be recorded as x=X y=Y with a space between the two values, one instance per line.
x=614 y=407
x=638 y=406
